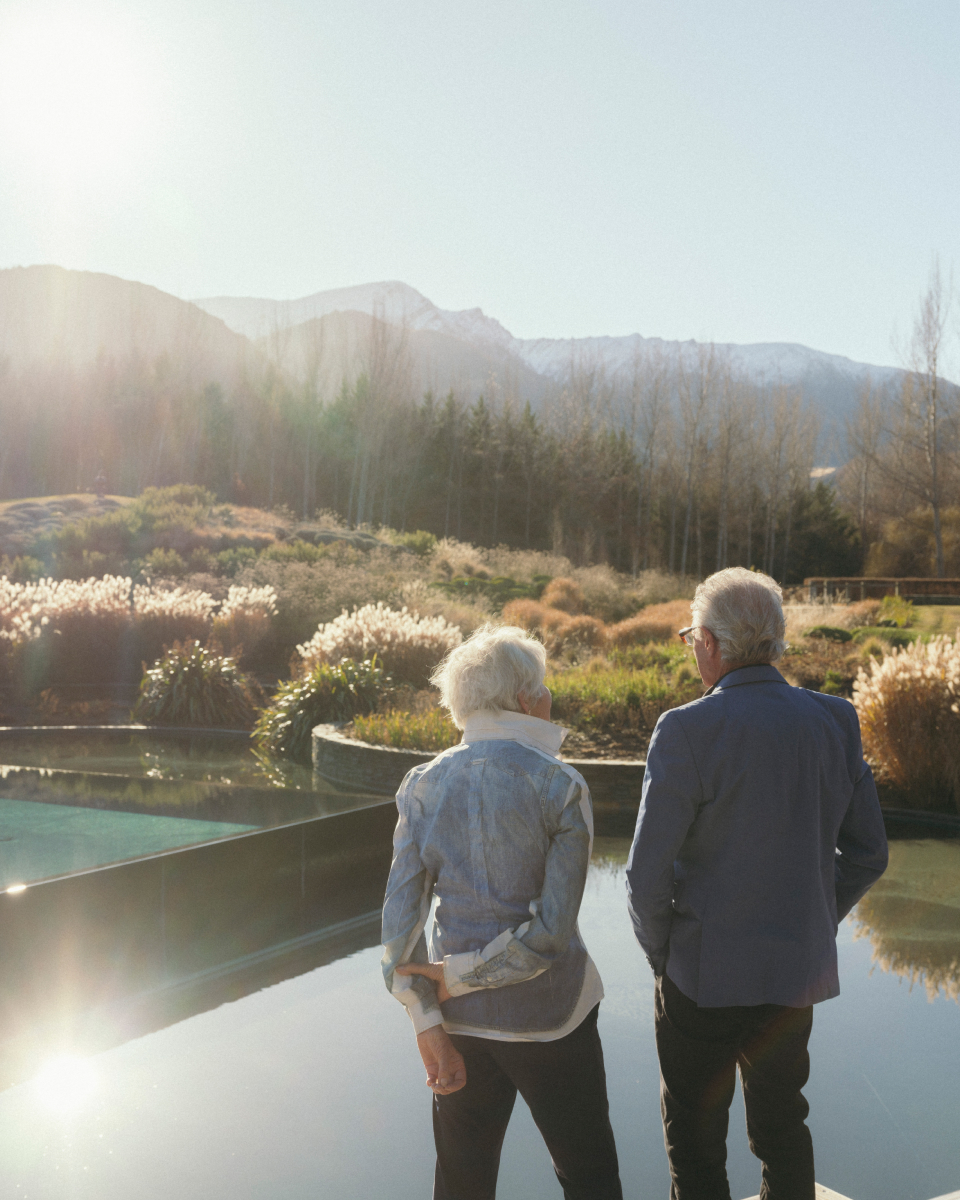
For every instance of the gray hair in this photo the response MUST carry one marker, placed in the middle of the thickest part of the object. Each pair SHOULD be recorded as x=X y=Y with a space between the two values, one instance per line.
x=485 y=673
x=744 y=612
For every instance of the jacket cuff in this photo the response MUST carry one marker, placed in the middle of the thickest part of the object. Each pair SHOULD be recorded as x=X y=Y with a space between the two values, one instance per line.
x=455 y=966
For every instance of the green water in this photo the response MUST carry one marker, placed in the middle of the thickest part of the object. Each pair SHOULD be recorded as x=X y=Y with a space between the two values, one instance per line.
x=38 y=841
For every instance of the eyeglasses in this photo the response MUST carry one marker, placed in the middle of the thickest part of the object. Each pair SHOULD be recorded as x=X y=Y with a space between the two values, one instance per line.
x=686 y=635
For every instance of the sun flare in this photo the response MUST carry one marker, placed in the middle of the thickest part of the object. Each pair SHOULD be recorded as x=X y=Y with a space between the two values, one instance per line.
x=65 y=1083
x=73 y=93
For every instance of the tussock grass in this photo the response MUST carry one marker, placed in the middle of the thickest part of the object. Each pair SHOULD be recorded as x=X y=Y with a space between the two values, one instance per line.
x=192 y=686
x=428 y=731
x=909 y=708
x=612 y=697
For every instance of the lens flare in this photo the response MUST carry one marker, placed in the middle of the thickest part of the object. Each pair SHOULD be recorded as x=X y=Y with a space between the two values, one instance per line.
x=66 y=1083
x=73 y=91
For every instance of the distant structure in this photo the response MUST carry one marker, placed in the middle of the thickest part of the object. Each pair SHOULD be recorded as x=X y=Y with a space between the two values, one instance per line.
x=852 y=587
x=100 y=483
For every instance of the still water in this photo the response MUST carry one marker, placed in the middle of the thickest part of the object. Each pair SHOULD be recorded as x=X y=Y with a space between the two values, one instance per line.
x=313 y=1088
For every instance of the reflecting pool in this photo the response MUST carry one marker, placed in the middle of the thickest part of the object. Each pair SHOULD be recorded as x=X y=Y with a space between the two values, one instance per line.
x=225 y=758
x=74 y=799
x=312 y=1086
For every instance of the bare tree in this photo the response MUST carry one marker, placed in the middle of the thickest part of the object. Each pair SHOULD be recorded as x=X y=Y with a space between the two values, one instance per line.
x=923 y=432
x=864 y=432
x=695 y=385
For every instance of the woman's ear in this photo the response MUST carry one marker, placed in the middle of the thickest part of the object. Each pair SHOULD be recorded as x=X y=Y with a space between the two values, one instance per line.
x=524 y=706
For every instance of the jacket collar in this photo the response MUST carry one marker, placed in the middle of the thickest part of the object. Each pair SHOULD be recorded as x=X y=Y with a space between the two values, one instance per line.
x=764 y=673
x=514 y=727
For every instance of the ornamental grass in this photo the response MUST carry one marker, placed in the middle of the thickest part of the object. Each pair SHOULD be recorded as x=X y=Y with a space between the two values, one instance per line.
x=327 y=692
x=430 y=731
x=618 y=698
x=196 y=687
x=99 y=631
x=909 y=708
x=408 y=646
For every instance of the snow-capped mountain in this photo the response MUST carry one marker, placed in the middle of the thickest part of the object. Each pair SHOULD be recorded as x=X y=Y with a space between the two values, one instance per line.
x=830 y=381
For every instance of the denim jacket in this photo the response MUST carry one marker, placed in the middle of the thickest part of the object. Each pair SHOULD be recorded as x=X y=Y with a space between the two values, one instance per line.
x=499 y=831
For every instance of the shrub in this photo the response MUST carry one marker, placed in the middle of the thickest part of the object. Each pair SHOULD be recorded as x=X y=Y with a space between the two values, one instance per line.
x=895 y=612
x=325 y=693
x=528 y=614
x=831 y=632
x=616 y=699
x=909 y=706
x=565 y=595
x=607 y=595
x=577 y=634
x=295 y=551
x=429 y=731
x=657 y=623
x=498 y=591
x=419 y=541
x=196 y=687
x=409 y=647
x=229 y=562
x=21 y=569
x=243 y=623
x=166 y=563
x=893 y=637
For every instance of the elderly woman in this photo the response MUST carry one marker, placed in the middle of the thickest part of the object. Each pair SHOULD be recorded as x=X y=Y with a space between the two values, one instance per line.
x=498 y=830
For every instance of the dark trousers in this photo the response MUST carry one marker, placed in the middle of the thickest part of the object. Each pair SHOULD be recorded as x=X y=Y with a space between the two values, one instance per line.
x=700 y=1050
x=564 y=1084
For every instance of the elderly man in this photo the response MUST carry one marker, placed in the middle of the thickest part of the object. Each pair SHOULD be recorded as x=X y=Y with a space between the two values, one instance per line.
x=759 y=829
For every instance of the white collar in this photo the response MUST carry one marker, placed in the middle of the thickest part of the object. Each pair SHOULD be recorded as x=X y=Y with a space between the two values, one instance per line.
x=514 y=727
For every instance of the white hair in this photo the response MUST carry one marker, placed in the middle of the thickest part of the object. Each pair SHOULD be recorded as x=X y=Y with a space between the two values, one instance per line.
x=744 y=612
x=487 y=671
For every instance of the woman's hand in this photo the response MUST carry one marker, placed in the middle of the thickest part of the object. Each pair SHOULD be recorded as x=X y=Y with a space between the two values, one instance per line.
x=432 y=971
x=446 y=1070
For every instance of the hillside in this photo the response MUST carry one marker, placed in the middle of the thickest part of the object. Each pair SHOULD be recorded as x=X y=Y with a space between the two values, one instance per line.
x=52 y=317
x=829 y=382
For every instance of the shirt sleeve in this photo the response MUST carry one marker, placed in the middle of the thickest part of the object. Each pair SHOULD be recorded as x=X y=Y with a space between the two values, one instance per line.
x=532 y=948
x=672 y=793
x=405 y=911
x=861 y=844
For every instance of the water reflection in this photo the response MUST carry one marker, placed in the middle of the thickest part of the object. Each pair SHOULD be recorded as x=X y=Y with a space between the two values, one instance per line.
x=912 y=916
x=154 y=754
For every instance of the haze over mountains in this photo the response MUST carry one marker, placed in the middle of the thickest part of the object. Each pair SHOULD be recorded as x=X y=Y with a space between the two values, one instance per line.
x=828 y=381
x=50 y=316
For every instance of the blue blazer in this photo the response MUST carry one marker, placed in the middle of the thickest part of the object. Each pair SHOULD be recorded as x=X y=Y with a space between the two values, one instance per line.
x=758 y=831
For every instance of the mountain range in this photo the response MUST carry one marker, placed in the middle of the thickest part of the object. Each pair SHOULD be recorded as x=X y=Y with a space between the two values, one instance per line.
x=829 y=381
x=50 y=316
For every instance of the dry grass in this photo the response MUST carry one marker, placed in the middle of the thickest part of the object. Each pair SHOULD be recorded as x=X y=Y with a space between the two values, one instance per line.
x=842 y=616
x=406 y=646
x=658 y=623
x=565 y=595
x=430 y=731
x=908 y=705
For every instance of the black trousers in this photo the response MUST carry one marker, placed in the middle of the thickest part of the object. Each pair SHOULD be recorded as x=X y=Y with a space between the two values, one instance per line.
x=700 y=1050
x=565 y=1085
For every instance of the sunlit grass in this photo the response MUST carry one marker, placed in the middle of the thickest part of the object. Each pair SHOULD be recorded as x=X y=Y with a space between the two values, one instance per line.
x=429 y=731
x=626 y=693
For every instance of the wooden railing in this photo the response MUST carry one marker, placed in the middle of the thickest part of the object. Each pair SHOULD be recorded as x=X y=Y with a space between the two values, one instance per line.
x=852 y=587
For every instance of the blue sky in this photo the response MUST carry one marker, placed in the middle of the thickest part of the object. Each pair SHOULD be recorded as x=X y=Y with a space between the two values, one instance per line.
x=745 y=171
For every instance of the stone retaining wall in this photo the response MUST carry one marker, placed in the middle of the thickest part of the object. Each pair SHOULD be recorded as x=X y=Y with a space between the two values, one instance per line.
x=615 y=784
